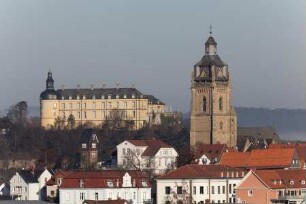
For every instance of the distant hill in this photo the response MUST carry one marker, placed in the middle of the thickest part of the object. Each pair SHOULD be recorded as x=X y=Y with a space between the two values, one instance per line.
x=289 y=123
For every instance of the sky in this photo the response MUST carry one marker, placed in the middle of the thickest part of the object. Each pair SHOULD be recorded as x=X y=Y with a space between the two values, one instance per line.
x=153 y=45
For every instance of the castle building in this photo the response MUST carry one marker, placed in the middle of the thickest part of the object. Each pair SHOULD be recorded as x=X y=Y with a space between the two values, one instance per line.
x=213 y=118
x=120 y=107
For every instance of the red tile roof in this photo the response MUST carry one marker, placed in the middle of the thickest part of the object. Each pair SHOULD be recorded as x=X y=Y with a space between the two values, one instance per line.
x=153 y=146
x=100 y=179
x=282 y=178
x=59 y=174
x=212 y=151
x=235 y=159
x=202 y=171
x=260 y=158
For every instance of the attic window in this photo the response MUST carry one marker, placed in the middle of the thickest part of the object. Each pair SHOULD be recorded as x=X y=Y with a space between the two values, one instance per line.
x=303 y=182
x=291 y=182
x=133 y=95
x=84 y=97
x=110 y=183
x=144 y=183
x=109 y=96
x=124 y=96
x=84 y=145
x=117 y=96
x=70 y=97
x=102 y=97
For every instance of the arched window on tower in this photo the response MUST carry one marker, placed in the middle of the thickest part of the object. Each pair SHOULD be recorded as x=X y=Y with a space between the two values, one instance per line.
x=204 y=104
x=220 y=103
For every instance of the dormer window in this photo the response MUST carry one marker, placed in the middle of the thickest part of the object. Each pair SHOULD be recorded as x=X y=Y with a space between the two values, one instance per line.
x=70 y=97
x=133 y=95
x=303 y=182
x=93 y=96
x=110 y=183
x=102 y=97
x=291 y=182
x=84 y=146
x=124 y=96
x=117 y=96
x=63 y=97
x=93 y=145
x=144 y=183
x=78 y=97
x=59 y=181
x=84 y=97
x=109 y=96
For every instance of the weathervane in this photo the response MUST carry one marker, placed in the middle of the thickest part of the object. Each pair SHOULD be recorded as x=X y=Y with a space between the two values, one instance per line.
x=210 y=29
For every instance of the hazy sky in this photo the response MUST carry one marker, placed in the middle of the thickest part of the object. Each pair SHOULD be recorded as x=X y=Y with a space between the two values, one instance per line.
x=154 y=45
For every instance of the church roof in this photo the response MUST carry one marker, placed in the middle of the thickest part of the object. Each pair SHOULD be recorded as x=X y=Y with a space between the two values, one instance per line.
x=208 y=60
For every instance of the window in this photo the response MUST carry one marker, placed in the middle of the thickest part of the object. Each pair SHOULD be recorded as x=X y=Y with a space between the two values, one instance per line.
x=102 y=105
x=109 y=104
x=70 y=105
x=230 y=188
x=194 y=190
x=94 y=115
x=82 y=196
x=117 y=96
x=204 y=104
x=85 y=115
x=118 y=104
x=134 y=114
x=303 y=182
x=219 y=189
x=70 y=97
x=250 y=192
x=220 y=104
x=133 y=95
x=201 y=189
x=179 y=190
x=221 y=125
x=63 y=106
x=93 y=96
x=94 y=105
x=84 y=97
x=85 y=105
x=84 y=145
x=96 y=196
x=110 y=183
x=124 y=96
x=133 y=104
x=123 y=151
x=93 y=145
x=144 y=183
x=223 y=189
x=102 y=97
x=212 y=190
x=52 y=193
x=167 y=190
x=54 y=105
x=125 y=104
x=109 y=96
x=78 y=97
x=79 y=105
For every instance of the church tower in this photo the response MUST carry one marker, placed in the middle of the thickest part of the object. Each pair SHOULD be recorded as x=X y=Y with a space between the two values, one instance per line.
x=213 y=118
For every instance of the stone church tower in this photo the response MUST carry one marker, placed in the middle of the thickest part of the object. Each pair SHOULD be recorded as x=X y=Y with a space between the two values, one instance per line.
x=213 y=119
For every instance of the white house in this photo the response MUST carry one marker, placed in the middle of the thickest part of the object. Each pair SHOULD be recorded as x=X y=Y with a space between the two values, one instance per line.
x=151 y=154
x=195 y=183
x=132 y=186
x=29 y=184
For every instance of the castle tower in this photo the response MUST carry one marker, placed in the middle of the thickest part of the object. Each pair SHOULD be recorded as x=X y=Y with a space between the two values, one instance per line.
x=213 y=119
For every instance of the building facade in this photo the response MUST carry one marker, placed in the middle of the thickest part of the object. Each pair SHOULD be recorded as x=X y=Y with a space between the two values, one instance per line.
x=286 y=186
x=132 y=186
x=29 y=185
x=213 y=118
x=122 y=107
x=153 y=155
x=199 y=184
x=89 y=149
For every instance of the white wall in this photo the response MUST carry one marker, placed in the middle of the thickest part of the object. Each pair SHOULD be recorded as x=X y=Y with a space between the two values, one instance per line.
x=207 y=185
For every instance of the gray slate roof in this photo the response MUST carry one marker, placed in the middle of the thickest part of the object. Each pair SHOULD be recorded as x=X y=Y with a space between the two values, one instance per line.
x=29 y=177
x=208 y=60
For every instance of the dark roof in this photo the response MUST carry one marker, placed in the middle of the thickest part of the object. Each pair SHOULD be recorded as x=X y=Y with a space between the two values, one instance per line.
x=87 y=135
x=153 y=100
x=210 y=41
x=30 y=177
x=49 y=94
x=98 y=93
x=208 y=60
x=104 y=202
x=258 y=137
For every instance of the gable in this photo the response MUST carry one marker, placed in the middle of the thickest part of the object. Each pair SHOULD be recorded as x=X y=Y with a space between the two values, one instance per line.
x=251 y=182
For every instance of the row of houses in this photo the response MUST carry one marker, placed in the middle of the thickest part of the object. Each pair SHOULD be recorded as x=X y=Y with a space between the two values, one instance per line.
x=217 y=174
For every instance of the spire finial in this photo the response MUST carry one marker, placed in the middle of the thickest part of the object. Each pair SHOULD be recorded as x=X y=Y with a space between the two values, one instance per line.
x=210 y=29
